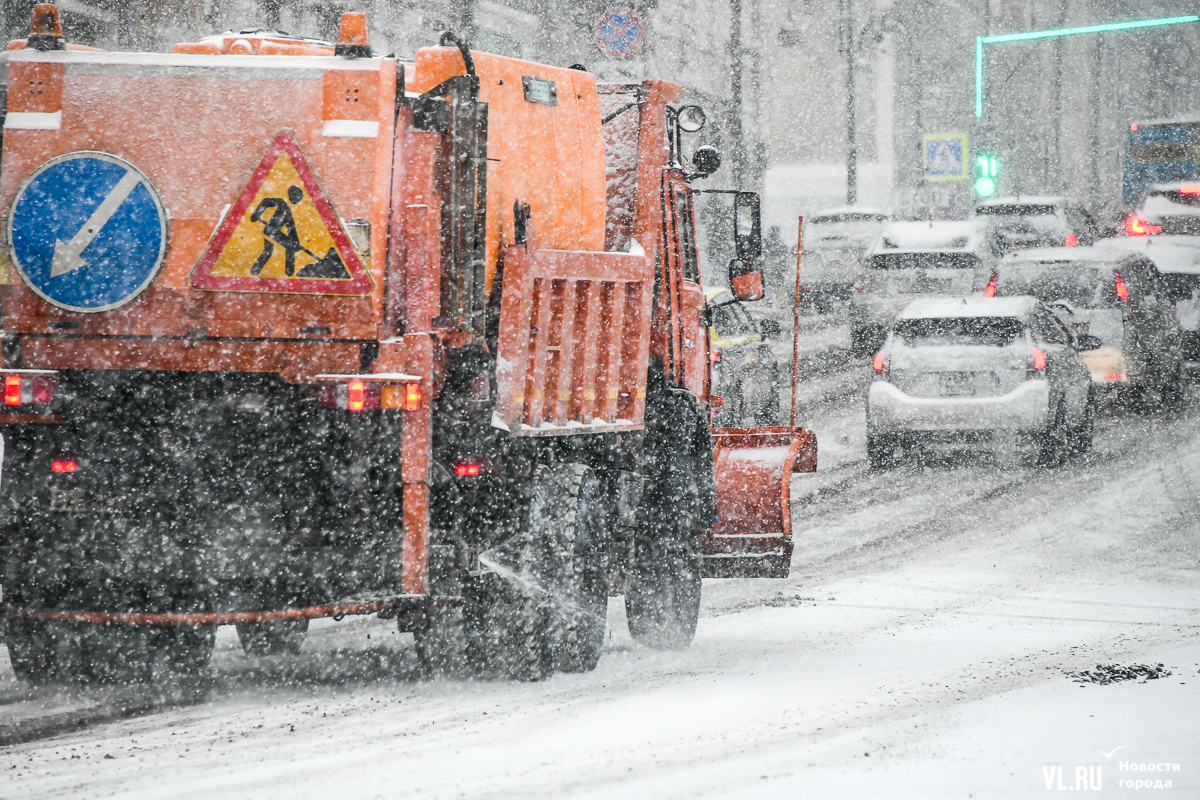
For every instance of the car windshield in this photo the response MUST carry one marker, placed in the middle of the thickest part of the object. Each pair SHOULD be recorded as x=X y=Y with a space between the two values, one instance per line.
x=731 y=321
x=893 y=261
x=1079 y=283
x=978 y=331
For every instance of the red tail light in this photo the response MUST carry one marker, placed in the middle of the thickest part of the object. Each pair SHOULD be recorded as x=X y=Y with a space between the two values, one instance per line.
x=20 y=390
x=990 y=289
x=64 y=465
x=1072 y=240
x=1039 y=359
x=1190 y=190
x=862 y=288
x=468 y=469
x=1119 y=283
x=350 y=396
x=356 y=396
x=879 y=364
x=1136 y=226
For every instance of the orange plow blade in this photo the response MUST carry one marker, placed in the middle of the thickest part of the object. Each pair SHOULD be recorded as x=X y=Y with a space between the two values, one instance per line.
x=754 y=467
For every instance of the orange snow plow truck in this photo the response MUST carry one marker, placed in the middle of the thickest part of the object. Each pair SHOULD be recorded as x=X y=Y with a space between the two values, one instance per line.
x=291 y=331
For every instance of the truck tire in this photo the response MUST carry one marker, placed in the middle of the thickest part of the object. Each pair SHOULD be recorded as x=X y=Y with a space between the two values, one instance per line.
x=54 y=652
x=568 y=515
x=272 y=638
x=662 y=601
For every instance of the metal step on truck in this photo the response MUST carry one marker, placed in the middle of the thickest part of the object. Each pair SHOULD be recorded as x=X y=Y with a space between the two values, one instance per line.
x=294 y=331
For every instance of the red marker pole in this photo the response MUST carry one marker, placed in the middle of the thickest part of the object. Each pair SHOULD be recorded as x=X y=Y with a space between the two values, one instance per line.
x=796 y=318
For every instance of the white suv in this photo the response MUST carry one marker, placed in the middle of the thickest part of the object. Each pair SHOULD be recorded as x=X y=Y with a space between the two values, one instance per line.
x=1002 y=374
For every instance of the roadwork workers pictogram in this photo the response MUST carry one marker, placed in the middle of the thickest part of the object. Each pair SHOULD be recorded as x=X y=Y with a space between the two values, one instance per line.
x=282 y=235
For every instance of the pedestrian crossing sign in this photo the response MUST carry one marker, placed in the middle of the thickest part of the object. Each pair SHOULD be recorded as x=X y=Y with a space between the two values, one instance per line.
x=282 y=235
x=945 y=156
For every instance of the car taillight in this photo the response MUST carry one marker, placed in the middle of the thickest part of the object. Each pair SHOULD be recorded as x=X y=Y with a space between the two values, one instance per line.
x=1121 y=287
x=862 y=288
x=1071 y=241
x=1136 y=226
x=1193 y=190
x=990 y=289
x=1039 y=359
x=22 y=390
x=879 y=364
x=64 y=465
x=715 y=357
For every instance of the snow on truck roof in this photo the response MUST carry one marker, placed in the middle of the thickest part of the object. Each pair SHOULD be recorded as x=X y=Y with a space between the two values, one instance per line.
x=969 y=307
x=940 y=235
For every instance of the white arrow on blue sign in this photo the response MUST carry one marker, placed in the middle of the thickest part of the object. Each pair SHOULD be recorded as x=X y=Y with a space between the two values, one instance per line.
x=88 y=232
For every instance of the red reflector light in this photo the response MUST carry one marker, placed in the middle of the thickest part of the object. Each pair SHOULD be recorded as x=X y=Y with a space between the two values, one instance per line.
x=63 y=465
x=12 y=390
x=466 y=469
x=990 y=289
x=1072 y=240
x=1039 y=359
x=879 y=364
x=1133 y=127
x=412 y=396
x=1136 y=226
x=1117 y=377
x=714 y=356
x=1122 y=289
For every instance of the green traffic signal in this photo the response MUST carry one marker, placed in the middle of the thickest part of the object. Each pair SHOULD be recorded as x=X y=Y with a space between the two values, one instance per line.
x=989 y=170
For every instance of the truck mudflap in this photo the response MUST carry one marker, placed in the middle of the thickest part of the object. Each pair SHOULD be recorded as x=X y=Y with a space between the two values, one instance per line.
x=753 y=468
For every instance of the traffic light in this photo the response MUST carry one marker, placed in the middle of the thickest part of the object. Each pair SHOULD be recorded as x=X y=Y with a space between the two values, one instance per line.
x=985 y=179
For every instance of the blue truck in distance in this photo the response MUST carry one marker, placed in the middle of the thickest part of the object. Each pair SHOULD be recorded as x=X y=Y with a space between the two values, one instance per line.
x=1160 y=151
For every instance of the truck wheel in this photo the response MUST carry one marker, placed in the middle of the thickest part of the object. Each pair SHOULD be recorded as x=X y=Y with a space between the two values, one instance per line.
x=121 y=654
x=663 y=599
x=272 y=638
x=568 y=516
x=42 y=653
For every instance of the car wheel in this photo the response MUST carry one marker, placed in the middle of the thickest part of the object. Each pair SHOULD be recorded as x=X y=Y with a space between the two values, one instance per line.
x=882 y=452
x=1174 y=390
x=1053 y=449
x=1081 y=436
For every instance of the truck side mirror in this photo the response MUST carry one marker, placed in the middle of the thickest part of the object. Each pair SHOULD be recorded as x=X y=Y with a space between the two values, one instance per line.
x=747 y=226
x=745 y=270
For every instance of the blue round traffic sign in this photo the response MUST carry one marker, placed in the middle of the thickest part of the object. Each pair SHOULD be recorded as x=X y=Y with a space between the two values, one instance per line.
x=88 y=231
x=619 y=33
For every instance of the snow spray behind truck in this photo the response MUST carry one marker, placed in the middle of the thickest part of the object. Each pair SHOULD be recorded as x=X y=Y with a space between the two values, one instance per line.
x=292 y=331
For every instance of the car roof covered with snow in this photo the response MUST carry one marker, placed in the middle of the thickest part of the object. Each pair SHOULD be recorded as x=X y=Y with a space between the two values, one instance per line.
x=1022 y=200
x=840 y=214
x=1170 y=254
x=969 y=307
x=932 y=236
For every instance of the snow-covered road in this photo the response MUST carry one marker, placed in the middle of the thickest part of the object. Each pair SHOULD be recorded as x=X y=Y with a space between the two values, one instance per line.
x=918 y=650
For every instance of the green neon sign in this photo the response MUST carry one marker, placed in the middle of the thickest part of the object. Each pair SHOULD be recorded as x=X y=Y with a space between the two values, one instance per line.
x=980 y=41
